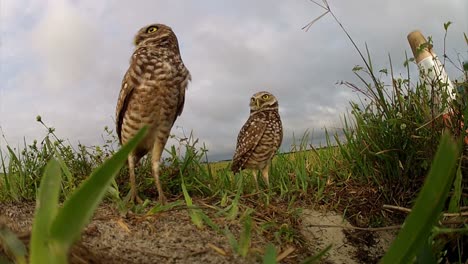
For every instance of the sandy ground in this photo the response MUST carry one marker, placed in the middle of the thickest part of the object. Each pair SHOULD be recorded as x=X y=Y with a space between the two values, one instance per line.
x=348 y=245
x=170 y=237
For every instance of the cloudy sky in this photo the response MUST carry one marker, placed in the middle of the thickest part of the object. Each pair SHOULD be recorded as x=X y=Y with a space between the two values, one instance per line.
x=64 y=60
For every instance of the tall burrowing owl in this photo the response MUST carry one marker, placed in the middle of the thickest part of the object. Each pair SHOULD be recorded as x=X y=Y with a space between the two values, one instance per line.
x=260 y=137
x=152 y=93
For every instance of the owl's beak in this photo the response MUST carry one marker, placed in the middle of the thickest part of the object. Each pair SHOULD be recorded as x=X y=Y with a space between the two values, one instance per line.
x=257 y=103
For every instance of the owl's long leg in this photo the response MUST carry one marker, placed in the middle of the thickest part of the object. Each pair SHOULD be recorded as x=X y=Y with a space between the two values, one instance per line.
x=155 y=162
x=131 y=171
x=254 y=172
x=265 y=174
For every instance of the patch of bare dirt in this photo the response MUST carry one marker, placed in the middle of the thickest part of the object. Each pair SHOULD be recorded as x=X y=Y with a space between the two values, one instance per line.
x=171 y=237
x=168 y=237
x=348 y=245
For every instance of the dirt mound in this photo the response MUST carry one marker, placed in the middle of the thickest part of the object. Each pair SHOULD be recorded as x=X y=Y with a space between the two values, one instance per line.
x=170 y=237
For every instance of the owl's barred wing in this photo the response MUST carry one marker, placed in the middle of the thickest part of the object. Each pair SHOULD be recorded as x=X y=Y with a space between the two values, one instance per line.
x=124 y=97
x=180 y=105
x=280 y=129
x=248 y=139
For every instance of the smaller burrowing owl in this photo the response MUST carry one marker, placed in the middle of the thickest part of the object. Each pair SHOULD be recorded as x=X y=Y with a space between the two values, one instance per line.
x=260 y=137
x=153 y=94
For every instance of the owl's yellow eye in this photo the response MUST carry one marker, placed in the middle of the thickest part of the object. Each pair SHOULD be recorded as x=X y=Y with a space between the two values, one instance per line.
x=252 y=99
x=151 y=29
x=265 y=97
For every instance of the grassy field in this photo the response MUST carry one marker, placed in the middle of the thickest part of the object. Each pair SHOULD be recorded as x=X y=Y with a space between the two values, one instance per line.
x=312 y=155
x=393 y=146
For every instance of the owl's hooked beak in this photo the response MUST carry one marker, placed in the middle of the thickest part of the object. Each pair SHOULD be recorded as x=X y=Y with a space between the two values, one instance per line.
x=257 y=103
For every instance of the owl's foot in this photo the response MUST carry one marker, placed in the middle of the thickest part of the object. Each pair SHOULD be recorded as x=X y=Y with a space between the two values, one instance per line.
x=162 y=199
x=254 y=172
x=136 y=199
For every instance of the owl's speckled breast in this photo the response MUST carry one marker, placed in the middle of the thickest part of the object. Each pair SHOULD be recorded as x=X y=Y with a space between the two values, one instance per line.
x=160 y=79
x=269 y=142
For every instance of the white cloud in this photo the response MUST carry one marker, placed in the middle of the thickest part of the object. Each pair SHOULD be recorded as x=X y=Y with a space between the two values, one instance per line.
x=66 y=45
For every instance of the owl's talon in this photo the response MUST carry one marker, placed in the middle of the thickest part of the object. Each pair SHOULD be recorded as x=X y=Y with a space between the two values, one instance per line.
x=135 y=199
x=162 y=199
x=138 y=200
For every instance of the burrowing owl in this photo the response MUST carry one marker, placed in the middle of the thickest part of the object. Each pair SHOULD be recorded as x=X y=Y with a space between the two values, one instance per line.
x=260 y=137
x=152 y=93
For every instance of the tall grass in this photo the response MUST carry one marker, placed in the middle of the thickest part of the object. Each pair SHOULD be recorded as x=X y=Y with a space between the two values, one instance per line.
x=301 y=172
x=390 y=140
x=391 y=136
x=22 y=168
x=392 y=132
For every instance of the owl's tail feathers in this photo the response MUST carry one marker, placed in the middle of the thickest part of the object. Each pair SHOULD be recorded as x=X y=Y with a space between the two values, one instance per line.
x=235 y=168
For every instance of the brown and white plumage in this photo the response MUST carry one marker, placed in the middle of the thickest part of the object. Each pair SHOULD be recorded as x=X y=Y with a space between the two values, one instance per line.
x=152 y=93
x=260 y=137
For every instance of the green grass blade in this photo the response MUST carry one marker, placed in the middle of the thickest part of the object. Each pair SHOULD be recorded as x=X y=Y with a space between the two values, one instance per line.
x=46 y=210
x=425 y=255
x=454 y=205
x=65 y=170
x=232 y=240
x=16 y=161
x=13 y=245
x=234 y=210
x=5 y=175
x=79 y=208
x=161 y=208
x=206 y=219
x=317 y=257
x=194 y=213
x=270 y=255
x=245 y=236
x=428 y=205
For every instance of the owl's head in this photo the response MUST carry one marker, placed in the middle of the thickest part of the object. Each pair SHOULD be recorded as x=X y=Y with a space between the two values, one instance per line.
x=156 y=35
x=263 y=101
